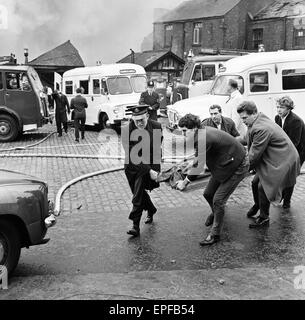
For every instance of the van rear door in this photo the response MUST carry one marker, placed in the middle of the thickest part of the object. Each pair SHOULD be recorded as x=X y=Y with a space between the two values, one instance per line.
x=21 y=98
x=2 y=102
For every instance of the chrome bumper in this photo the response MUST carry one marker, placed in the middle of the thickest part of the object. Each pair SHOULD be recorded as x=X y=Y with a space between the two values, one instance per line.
x=50 y=221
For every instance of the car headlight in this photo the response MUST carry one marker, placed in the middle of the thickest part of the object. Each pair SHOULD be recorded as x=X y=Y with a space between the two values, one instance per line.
x=117 y=109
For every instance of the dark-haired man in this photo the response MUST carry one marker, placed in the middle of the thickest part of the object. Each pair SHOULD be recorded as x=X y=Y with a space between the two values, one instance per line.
x=227 y=160
x=218 y=121
x=79 y=105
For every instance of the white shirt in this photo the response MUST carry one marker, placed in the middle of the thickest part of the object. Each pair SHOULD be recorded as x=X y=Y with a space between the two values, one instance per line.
x=231 y=112
x=284 y=119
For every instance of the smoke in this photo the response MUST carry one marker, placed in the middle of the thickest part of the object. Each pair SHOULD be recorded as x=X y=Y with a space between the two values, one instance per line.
x=100 y=29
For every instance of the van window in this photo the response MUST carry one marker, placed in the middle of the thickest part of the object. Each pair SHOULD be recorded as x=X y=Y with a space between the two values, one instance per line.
x=96 y=86
x=259 y=82
x=69 y=87
x=1 y=81
x=293 y=79
x=17 y=81
x=119 y=85
x=221 y=85
x=138 y=84
x=84 y=84
x=204 y=73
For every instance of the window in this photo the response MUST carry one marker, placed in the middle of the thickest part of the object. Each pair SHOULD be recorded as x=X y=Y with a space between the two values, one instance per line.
x=17 y=81
x=221 y=85
x=84 y=84
x=197 y=35
x=168 y=35
x=96 y=86
x=299 y=37
x=119 y=86
x=257 y=38
x=138 y=84
x=293 y=79
x=69 y=87
x=259 y=82
x=203 y=73
x=1 y=82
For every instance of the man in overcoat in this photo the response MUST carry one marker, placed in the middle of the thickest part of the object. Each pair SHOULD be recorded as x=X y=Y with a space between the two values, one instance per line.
x=274 y=158
x=142 y=142
x=61 y=109
x=227 y=160
x=152 y=100
x=294 y=126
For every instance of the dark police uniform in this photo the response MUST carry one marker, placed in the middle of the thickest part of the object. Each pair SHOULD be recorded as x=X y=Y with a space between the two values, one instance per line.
x=62 y=106
x=153 y=101
x=138 y=174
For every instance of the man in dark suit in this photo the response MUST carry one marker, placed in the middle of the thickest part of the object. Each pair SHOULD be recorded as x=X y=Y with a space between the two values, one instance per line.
x=228 y=162
x=142 y=140
x=62 y=106
x=294 y=126
x=218 y=121
x=79 y=105
x=151 y=99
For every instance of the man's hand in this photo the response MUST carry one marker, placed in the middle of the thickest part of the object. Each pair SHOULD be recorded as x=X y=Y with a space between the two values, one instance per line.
x=153 y=175
x=182 y=184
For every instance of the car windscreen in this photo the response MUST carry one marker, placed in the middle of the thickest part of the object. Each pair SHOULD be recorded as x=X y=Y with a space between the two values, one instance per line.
x=119 y=85
x=138 y=83
x=221 y=85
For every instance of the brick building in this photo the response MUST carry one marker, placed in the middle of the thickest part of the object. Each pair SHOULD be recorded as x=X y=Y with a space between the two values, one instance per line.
x=202 y=24
x=279 y=26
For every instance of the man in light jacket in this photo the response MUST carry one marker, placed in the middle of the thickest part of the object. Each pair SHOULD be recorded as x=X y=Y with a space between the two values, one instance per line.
x=274 y=158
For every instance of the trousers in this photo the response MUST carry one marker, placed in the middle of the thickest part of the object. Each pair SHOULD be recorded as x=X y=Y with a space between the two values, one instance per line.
x=79 y=125
x=261 y=201
x=217 y=194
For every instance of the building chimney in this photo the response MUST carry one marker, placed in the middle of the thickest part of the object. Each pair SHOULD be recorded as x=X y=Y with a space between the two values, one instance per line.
x=132 y=56
x=26 y=56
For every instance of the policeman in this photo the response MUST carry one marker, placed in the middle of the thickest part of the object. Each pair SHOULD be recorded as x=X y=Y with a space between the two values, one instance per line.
x=142 y=140
x=151 y=99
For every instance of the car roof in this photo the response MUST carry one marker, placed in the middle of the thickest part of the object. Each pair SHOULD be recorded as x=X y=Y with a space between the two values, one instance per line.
x=210 y=58
x=251 y=60
x=14 y=68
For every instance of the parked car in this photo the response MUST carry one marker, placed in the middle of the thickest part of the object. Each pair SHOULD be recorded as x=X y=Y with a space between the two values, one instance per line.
x=24 y=215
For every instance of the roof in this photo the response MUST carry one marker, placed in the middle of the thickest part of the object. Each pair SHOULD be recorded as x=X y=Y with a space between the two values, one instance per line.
x=106 y=69
x=196 y=9
x=146 y=58
x=65 y=55
x=282 y=8
x=14 y=67
x=243 y=63
x=212 y=58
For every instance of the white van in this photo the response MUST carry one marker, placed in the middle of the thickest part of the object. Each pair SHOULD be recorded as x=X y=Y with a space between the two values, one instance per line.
x=109 y=90
x=263 y=78
x=199 y=73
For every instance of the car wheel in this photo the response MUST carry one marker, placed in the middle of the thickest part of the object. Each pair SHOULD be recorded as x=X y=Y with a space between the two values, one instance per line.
x=10 y=246
x=8 y=128
x=103 y=121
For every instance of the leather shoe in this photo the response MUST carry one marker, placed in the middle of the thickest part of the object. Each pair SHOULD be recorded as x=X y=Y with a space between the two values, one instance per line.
x=253 y=211
x=210 y=240
x=135 y=231
x=149 y=220
x=286 y=205
x=259 y=222
x=210 y=220
x=76 y=140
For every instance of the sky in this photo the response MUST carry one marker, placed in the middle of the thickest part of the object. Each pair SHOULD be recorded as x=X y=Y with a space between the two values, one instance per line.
x=102 y=30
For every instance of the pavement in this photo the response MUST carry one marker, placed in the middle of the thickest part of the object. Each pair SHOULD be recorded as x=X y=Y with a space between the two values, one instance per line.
x=90 y=255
